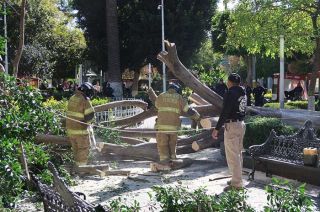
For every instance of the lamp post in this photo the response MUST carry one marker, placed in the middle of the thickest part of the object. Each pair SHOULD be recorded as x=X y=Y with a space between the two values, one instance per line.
x=163 y=48
x=281 y=89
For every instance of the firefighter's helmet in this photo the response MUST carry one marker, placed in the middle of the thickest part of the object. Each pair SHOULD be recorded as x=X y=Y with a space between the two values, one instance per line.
x=87 y=89
x=176 y=87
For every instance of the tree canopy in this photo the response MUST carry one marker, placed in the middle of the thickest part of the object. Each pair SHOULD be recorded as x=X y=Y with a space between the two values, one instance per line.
x=52 y=43
x=187 y=23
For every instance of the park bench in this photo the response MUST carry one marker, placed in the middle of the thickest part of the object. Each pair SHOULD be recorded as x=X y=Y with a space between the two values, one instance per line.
x=59 y=198
x=283 y=155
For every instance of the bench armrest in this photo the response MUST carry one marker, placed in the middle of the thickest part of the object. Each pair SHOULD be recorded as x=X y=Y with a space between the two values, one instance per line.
x=262 y=149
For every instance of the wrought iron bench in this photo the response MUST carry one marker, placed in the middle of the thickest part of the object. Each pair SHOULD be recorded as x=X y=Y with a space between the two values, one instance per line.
x=59 y=198
x=284 y=154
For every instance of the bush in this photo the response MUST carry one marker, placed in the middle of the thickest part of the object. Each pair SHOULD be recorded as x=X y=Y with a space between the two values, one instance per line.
x=22 y=116
x=289 y=105
x=54 y=104
x=258 y=129
x=99 y=101
x=180 y=199
x=283 y=196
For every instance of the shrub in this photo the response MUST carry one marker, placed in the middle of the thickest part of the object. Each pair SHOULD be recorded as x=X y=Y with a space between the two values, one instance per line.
x=99 y=101
x=289 y=105
x=283 y=196
x=22 y=116
x=258 y=129
x=54 y=104
x=180 y=199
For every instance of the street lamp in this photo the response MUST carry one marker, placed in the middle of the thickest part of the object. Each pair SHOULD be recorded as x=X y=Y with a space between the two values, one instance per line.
x=163 y=48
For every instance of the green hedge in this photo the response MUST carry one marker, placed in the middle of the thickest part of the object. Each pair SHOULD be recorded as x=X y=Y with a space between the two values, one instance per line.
x=258 y=129
x=292 y=105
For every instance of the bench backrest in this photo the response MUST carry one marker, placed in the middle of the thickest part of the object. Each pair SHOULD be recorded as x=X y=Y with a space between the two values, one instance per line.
x=291 y=147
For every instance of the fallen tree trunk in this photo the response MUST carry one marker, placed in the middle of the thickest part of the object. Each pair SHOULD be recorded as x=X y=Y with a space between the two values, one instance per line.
x=190 y=140
x=52 y=139
x=206 y=111
x=198 y=100
x=171 y=59
x=138 y=133
x=125 y=103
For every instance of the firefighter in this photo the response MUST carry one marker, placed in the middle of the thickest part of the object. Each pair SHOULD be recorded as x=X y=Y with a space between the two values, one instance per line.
x=80 y=108
x=170 y=105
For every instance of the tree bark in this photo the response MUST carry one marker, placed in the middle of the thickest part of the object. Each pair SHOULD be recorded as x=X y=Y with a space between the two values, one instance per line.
x=114 y=72
x=136 y=103
x=135 y=85
x=126 y=122
x=190 y=140
x=16 y=60
x=197 y=99
x=248 y=61
x=171 y=59
x=138 y=133
x=204 y=144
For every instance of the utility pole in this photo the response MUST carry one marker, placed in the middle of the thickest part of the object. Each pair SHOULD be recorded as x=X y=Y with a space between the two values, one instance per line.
x=163 y=47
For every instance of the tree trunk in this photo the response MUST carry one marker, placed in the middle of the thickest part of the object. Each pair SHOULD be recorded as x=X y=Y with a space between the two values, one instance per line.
x=126 y=122
x=190 y=140
x=197 y=99
x=114 y=72
x=207 y=123
x=171 y=59
x=125 y=103
x=135 y=85
x=16 y=60
x=248 y=61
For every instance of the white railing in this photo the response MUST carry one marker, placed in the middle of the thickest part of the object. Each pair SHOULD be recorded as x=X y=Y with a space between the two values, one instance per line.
x=117 y=113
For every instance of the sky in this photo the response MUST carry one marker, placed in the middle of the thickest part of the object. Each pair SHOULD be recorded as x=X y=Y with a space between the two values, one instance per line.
x=230 y=5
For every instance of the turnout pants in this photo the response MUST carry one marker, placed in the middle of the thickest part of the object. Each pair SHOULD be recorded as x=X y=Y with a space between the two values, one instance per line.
x=167 y=144
x=233 y=141
x=80 y=148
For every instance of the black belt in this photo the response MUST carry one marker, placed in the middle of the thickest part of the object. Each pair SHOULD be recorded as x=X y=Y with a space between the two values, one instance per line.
x=233 y=120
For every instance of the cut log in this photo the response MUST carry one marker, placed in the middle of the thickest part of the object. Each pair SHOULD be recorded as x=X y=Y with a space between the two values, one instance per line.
x=204 y=144
x=208 y=123
x=171 y=59
x=197 y=99
x=136 y=103
x=126 y=122
x=190 y=140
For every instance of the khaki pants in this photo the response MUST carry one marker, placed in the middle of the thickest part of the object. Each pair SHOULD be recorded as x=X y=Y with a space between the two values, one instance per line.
x=167 y=144
x=233 y=141
x=80 y=148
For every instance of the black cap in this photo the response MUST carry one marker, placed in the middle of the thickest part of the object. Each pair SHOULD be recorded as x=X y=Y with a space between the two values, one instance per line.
x=235 y=78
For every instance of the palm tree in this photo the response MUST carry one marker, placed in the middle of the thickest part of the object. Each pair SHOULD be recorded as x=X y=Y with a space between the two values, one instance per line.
x=113 y=52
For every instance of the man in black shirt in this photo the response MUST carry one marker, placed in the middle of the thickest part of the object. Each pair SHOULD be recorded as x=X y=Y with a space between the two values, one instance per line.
x=295 y=94
x=232 y=116
x=258 y=93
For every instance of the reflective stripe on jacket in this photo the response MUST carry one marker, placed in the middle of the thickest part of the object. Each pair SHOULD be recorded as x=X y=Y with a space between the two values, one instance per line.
x=80 y=109
x=170 y=106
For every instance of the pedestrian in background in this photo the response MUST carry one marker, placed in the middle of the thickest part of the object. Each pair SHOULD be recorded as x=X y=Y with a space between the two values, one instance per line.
x=258 y=93
x=232 y=116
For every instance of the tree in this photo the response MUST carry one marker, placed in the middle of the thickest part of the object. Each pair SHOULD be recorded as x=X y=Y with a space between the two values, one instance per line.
x=258 y=24
x=16 y=60
x=187 y=23
x=50 y=31
x=113 y=51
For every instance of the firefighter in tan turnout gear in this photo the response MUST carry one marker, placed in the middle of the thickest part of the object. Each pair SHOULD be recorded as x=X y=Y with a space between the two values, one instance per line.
x=170 y=106
x=80 y=109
